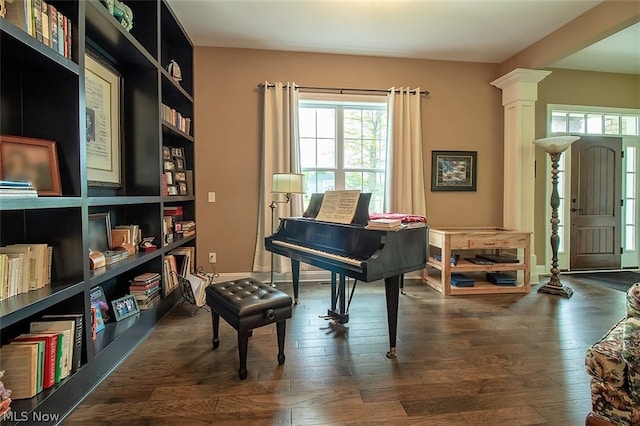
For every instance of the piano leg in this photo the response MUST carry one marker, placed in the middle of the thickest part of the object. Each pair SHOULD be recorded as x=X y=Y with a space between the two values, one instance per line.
x=338 y=299
x=333 y=292
x=343 y=295
x=392 y=290
x=295 y=272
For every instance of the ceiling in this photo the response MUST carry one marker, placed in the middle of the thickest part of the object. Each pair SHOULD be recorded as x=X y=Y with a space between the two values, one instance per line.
x=457 y=30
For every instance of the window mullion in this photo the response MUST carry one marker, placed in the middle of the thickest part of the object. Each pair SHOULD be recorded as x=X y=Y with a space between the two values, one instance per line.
x=340 y=178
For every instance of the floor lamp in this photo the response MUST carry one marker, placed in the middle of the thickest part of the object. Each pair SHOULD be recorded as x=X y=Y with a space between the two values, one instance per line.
x=555 y=146
x=284 y=183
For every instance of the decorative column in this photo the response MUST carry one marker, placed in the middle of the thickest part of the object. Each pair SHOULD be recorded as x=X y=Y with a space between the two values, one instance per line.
x=519 y=94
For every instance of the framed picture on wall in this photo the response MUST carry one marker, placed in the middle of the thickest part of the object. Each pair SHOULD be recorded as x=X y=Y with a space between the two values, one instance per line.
x=454 y=170
x=103 y=114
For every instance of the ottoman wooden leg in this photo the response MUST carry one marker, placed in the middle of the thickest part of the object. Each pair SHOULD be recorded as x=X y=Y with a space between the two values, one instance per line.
x=243 y=343
x=281 y=328
x=215 y=320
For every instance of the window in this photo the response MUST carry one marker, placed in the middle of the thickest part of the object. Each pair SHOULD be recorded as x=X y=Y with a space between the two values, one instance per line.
x=562 y=175
x=343 y=145
x=631 y=178
x=586 y=123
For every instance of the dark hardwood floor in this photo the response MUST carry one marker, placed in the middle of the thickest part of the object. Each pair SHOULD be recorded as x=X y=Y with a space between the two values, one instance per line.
x=474 y=360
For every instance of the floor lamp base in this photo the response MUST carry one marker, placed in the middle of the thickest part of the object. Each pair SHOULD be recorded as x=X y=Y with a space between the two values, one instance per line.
x=558 y=290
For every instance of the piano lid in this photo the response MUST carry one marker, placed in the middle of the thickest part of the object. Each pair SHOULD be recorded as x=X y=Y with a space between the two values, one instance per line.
x=361 y=216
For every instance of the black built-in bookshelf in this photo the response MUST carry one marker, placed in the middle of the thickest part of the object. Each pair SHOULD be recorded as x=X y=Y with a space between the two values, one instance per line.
x=42 y=96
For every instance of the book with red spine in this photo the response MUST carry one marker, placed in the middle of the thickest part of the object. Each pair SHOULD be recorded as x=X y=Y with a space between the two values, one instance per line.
x=51 y=353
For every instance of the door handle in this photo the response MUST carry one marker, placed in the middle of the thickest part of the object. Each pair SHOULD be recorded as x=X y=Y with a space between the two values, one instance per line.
x=573 y=210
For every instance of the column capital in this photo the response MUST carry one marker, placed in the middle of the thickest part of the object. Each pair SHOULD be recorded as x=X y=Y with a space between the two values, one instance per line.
x=520 y=84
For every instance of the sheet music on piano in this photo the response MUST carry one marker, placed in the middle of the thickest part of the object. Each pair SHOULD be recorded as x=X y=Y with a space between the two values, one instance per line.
x=339 y=206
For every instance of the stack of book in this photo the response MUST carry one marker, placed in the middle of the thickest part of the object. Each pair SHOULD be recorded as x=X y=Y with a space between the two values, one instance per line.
x=170 y=273
x=15 y=189
x=173 y=117
x=146 y=289
x=42 y=21
x=185 y=260
x=45 y=356
x=385 y=224
x=185 y=228
x=461 y=280
x=501 y=279
x=24 y=267
x=172 y=216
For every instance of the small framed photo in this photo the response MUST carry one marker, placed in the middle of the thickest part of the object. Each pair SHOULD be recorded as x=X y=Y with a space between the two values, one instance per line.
x=180 y=176
x=172 y=189
x=179 y=164
x=30 y=160
x=454 y=170
x=182 y=188
x=170 y=178
x=166 y=153
x=125 y=307
x=169 y=165
x=177 y=152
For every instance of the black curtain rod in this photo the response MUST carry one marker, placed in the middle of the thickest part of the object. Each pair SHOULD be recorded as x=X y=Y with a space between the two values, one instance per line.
x=341 y=90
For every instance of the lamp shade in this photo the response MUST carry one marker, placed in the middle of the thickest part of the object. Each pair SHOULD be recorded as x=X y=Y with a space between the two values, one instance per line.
x=288 y=183
x=555 y=144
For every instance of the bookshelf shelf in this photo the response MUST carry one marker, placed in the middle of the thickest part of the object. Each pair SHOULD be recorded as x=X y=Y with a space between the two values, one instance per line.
x=124 y=329
x=107 y=272
x=179 y=243
x=172 y=88
x=41 y=203
x=121 y=200
x=15 y=40
x=465 y=242
x=178 y=198
x=174 y=131
x=22 y=306
x=111 y=39
x=42 y=96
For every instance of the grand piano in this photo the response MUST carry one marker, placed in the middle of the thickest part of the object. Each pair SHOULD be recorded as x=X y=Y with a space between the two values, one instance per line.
x=350 y=250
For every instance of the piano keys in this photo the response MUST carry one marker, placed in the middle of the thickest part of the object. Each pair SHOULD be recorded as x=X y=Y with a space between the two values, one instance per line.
x=349 y=250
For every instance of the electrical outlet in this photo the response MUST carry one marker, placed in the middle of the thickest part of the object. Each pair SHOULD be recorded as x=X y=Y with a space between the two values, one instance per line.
x=211 y=197
x=212 y=258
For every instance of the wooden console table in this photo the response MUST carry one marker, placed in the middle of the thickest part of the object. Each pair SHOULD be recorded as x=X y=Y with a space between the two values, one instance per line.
x=466 y=242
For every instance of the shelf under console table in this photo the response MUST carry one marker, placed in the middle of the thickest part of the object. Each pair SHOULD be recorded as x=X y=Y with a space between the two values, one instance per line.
x=465 y=243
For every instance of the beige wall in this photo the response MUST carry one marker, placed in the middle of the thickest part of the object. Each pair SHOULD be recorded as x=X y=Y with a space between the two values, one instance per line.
x=574 y=88
x=463 y=112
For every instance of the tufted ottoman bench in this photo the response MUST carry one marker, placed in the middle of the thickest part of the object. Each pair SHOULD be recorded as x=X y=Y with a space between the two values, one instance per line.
x=247 y=304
